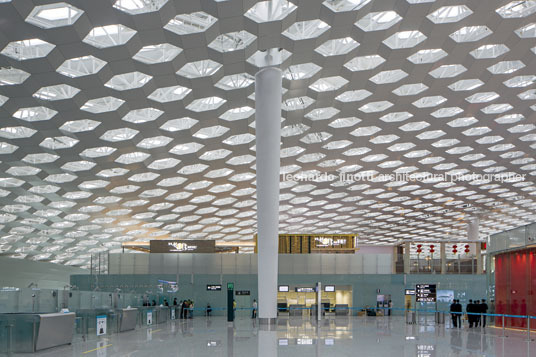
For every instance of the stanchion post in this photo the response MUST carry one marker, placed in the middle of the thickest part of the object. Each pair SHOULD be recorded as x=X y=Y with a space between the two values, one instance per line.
x=502 y=325
x=9 y=340
x=528 y=328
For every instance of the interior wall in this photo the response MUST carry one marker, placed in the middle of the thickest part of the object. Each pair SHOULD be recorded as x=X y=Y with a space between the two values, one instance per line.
x=20 y=273
x=515 y=283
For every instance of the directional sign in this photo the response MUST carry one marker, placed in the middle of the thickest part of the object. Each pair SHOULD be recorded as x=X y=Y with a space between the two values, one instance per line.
x=425 y=293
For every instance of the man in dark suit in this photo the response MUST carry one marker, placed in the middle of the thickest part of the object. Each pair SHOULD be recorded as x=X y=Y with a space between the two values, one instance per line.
x=453 y=314
x=459 y=310
x=469 y=309
x=484 y=310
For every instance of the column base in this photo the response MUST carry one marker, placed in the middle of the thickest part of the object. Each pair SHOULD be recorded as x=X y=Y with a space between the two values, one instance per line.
x=267 y=323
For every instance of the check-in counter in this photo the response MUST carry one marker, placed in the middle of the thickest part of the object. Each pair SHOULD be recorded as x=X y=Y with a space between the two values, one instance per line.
x=296 y=310
x=128 y=319
x=31 y=332
x=54 y=330
x=162 y=314
x=341 y=310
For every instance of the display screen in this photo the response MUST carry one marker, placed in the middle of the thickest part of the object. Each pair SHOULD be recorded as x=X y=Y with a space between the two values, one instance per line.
x=213 y=287
x=283 y=288
x=425 y=293
x=329 y=288
x=445 y=295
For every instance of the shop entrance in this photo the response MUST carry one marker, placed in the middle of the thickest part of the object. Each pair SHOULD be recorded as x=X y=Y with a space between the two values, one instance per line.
x=302 y=297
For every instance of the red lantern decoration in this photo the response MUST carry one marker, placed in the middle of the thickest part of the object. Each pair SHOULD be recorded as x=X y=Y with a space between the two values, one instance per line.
x=467 y=250
x=454 y=251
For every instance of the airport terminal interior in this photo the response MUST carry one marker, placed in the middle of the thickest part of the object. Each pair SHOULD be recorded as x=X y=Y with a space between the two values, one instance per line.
x=268 y=178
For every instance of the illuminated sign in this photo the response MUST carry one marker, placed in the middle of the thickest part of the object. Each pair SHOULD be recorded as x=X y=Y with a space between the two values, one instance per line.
x=182 y=246
x=425 y=293
x=304 y=290
x=283 y=288
x=410 y=292
x=213 y=287
x=328 y=242
x=329 y=288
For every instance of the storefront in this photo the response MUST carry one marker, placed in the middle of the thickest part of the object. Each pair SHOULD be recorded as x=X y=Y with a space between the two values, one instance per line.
x=302 y=297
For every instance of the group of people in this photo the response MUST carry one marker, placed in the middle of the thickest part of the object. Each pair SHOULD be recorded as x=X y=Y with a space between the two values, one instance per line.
x=187 y=309
x=475 y=313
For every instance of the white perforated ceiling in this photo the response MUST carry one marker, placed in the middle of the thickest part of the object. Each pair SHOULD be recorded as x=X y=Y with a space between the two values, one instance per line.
x=133 y=120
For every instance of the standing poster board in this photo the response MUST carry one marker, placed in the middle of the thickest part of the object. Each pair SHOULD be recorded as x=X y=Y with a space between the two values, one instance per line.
x=149 y=317
x=173 y=313
x=101 y=325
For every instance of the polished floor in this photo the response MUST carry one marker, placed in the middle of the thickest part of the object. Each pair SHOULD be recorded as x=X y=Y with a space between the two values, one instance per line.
x=350 y=336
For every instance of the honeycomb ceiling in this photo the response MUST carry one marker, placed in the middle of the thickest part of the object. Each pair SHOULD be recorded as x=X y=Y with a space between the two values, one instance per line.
x=133 y=120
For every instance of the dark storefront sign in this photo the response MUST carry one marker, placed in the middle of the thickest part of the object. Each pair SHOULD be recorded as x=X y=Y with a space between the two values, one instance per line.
x=183 y=246
x=242 y=292
x=214 y=287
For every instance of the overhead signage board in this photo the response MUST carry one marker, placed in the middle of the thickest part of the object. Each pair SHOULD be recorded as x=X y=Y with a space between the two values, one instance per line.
x=182 y=246
x=410 y=292
x=242 y=292
x=283 y=288
x=304 y=290
x=214 y=287
x=426 y=293
x=329 y=288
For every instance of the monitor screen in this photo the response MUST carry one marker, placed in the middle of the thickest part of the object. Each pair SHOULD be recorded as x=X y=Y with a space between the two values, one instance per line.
x=283 y=288
x=329 y=288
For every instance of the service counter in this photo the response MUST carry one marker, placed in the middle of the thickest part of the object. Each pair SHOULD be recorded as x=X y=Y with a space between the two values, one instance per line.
x=31 y=332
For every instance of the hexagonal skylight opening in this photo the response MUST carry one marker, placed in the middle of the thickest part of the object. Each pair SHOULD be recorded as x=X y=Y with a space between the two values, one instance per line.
x=186 y=24
x=102 y=105
x=364 y=63
x=410 y=89
x=345 y=5
x=81 y=66
x=235 y=81
x=206 y=104
x=187 y=148
x=109 y=36
x=16 y=132
x=448 y=71
x=54 y=15
x=238 y=113
x=210 y=132
x=179 y=124
x=301 y=71
x=353 y=95
x=12 y=76
x=59 y=142
x=327 y=84
x=391 y=76
x=169 y=94
x=154 y=142
x=427 y=56
x=377 y=21
x=466 y=84
x=264 y=11
x=447 y=14
x=34 y=114
x=232 y=41
x=470 y=33
x=203 y=68
x=303 y=30
x=135 y=7
x=160 y=53
x=78 y=126
x=517 y=9
x=404 y=39
x=56 y=92
x=27 y=49
x=121 y=134
x=128 y=81
x=338 y=46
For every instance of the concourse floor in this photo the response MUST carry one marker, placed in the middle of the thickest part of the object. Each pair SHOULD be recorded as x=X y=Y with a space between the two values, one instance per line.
x=296 y=337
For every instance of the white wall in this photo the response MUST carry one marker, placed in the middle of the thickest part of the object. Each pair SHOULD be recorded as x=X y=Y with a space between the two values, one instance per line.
x=20 y=273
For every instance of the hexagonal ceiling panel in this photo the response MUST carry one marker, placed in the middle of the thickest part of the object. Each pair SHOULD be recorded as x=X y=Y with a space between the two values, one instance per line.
x=132 y=120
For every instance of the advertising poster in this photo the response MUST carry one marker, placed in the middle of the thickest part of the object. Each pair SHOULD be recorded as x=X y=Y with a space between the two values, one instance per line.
x=173 y=313
x=101 y=325
x=149 y=317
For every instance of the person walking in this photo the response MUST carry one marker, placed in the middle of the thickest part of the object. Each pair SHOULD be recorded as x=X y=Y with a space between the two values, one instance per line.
x=209 y=309
x=477 y=311
x=484 y=310
x=181 y=304
x=453 y=314
x=254 y=310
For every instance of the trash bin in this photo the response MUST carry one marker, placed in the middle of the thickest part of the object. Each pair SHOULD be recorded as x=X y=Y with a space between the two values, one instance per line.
x=440 y=318
x=410 y=318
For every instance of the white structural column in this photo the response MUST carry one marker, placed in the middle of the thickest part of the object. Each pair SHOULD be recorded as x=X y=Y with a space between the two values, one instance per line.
x=472 y=229
x=443 y=257
x=268 y=89
x=407 y=258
